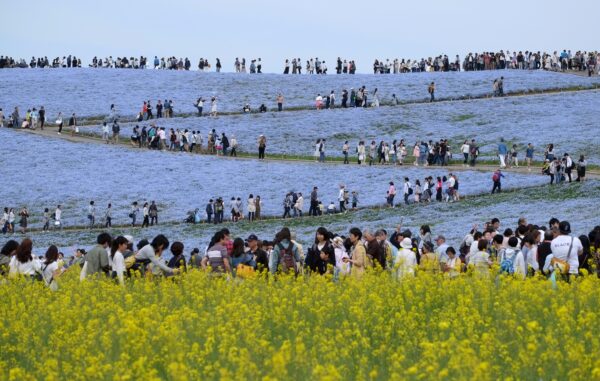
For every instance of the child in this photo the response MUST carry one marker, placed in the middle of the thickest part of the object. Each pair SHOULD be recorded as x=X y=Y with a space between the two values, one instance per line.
x=331 y=208
x=354 y=200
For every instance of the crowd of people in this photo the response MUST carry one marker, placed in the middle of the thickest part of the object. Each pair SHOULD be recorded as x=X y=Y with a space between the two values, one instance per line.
x=69 y=61
x=317 y=66
x=441 y=188
x=528 y=250
x=517 y=60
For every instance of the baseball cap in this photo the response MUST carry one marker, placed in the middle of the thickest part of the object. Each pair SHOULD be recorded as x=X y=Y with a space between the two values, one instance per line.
x=128 y=238
x=564 y=227
x=252 y=237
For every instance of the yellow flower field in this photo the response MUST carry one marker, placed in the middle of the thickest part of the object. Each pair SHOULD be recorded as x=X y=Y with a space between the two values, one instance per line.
x=199 y=327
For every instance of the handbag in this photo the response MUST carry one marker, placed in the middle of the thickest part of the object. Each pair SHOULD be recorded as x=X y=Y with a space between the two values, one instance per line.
x=561 y=265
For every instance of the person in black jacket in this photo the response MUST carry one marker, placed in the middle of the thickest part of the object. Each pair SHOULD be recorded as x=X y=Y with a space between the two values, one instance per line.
x=209 y=211
x=321 y=257
x=260 y=256
x=178 y=260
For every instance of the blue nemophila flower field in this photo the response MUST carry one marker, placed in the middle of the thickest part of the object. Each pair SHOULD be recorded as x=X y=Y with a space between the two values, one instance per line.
x=567 y=120
x=90 y=92
x=73 y=174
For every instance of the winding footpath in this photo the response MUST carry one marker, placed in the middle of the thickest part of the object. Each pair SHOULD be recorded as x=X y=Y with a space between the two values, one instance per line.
x=456 y=165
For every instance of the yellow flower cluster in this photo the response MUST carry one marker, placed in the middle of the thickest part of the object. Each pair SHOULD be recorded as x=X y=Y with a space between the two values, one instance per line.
x=201 y=327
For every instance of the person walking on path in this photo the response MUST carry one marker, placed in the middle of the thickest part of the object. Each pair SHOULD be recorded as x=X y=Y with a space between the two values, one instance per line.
x=105 y=132
x=73 y=125
x=153 y=212
x=108 y=216
x=116 y=129
x=213 y=107
x=92 y=214
x=497 y=178
x=407 y=190
x=529 y=155
x=59 y=122
x=502 y=152
x=314 y=202
x=262 y=145
x=42 y=117
x=431 y=91
x=342 y=198
x=391 y=193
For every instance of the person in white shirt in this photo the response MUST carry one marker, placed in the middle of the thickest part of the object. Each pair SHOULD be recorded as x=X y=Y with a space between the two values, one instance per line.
x=105 y=132
x=162 y=135
x=450 y=188
x=567 y=248
x=391 y=193
x=92 y=214
x=341 y=267
x=406 y=260
x=23 y=262
x=319 y=101
x=299 y=205
x=51 y=269
x=530 y=248
x=57 y=217
x=341 y=198
x=407 y=190
x=119 y=245
x=440 y=251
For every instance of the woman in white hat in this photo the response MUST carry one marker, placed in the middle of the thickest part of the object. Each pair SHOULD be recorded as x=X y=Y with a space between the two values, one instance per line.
x=341 y=267
x=406 y=260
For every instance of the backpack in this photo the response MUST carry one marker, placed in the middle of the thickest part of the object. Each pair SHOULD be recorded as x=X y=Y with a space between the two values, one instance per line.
x=495 y=176
x=286 y=258
x=410 y=190
x=507 y=265
x=473 y=150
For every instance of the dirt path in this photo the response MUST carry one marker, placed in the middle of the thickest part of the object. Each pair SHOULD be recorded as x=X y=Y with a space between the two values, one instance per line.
x=51 y=132
x=97 y=119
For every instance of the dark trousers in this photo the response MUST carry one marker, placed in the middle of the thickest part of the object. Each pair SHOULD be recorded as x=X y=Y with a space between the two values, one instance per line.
x=233 y=152
x=261 y=152
x=342 y=206
x=154 y=220
x=146 y=222
x=473 y=159
x=314 y=206
x=209 y=216
x=279 y=106
x=497 y=186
